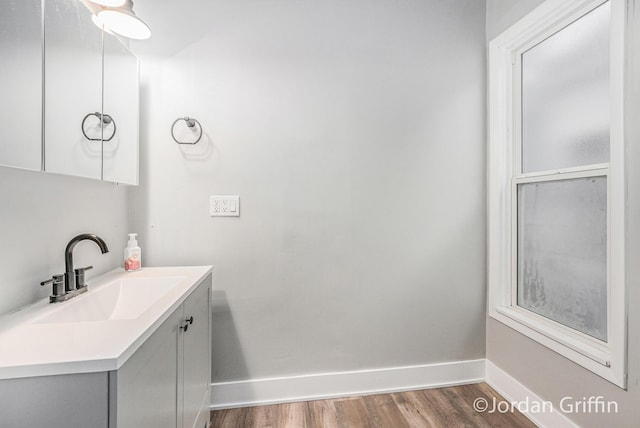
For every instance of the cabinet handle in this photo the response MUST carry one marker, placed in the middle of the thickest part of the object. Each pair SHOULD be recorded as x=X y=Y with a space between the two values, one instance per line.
x=187 y=323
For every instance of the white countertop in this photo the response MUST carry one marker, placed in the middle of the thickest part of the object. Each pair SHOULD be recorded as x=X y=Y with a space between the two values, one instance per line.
x=31 y=348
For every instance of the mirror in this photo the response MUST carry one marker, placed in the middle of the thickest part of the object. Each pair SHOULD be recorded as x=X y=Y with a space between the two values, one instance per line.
x=21 y=84
x=120 y=153
x=91 y=119
x=89 y=124
x=73 y=89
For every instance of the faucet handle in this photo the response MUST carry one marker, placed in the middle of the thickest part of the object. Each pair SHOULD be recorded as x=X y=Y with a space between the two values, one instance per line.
x=58 y=285
x=80 y=276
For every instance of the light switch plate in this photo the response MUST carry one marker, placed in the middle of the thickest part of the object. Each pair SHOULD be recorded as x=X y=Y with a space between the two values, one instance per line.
x=224 y=206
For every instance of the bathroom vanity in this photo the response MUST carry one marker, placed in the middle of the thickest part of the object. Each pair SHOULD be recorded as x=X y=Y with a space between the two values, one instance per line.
x=133 y=351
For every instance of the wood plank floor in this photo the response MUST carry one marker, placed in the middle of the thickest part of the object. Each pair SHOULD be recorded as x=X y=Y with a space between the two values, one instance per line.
x=441 y=407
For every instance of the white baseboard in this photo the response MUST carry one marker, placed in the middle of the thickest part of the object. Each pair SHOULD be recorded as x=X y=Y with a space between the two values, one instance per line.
x=226 y=395
x=514 y=391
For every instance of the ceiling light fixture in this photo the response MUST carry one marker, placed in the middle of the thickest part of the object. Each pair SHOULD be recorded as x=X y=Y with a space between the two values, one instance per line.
x=122 y=20
x=100 y=24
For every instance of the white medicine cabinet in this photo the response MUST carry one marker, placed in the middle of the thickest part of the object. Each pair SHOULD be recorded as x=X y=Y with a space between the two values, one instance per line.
x=69 y=93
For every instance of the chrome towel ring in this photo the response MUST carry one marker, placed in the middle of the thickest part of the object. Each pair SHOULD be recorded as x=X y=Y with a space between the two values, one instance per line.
x=191 y=125
x=105 y=120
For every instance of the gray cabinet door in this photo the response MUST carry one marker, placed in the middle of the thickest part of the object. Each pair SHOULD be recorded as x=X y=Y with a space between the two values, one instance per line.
x=73 y=400
x=146 y=383
x=196 y=355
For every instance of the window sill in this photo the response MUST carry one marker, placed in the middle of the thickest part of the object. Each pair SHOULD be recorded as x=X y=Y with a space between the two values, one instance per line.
x=588 y=352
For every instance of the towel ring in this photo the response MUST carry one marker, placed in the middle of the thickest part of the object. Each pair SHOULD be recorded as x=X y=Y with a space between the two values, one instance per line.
x=105 y=120
x=191 y=123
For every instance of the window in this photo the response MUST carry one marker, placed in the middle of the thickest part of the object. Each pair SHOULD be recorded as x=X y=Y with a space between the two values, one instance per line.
x=556 y=182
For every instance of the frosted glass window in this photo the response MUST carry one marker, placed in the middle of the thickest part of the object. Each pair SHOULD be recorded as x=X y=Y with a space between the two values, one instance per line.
x=565 y=96
x=562 y=252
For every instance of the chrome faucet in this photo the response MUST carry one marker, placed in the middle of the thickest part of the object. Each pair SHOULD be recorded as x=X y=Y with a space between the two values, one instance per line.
x=72 y=282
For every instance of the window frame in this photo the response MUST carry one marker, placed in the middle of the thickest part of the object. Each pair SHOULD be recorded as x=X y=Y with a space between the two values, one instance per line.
x=606 y=359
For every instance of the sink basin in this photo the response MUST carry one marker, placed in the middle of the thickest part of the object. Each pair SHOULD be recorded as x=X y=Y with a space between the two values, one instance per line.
x=96 y=331
x=121 y=299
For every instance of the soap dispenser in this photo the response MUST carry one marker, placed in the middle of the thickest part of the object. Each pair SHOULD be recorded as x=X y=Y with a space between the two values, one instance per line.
x=132 y=254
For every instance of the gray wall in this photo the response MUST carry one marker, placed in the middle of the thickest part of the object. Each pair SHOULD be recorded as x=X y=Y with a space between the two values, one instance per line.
x=39 y=214
x=544 y=372
x=353 y=133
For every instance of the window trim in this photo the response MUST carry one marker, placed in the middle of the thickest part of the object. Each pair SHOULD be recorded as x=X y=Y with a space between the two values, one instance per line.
x=606 y=359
